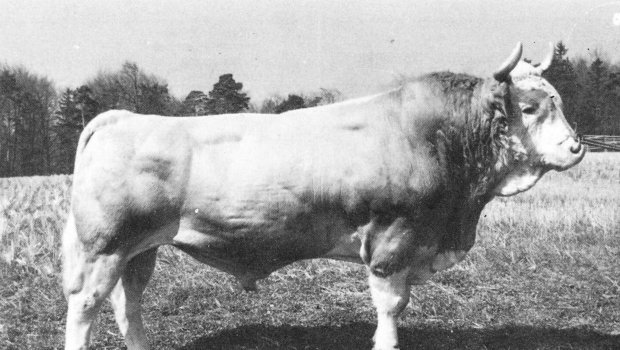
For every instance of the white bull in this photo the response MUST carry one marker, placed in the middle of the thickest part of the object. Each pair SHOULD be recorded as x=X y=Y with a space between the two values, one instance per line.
x=395 y=181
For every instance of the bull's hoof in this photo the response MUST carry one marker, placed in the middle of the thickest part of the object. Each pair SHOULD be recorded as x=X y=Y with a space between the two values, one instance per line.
x=387 y=345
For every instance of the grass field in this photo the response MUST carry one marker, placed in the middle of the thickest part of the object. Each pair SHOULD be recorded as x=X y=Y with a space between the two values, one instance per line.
x=544 y=273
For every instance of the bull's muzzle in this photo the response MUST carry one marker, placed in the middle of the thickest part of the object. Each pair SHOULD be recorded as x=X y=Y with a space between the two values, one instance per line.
x=576 y=147
x=570 y=153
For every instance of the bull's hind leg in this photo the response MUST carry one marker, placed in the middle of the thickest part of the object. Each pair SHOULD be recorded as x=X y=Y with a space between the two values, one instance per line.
x=390 y=295
x=127 y=296
x=87 y=280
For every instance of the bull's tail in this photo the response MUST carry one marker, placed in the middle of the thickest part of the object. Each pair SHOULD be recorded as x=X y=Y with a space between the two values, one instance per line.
x=85 y=136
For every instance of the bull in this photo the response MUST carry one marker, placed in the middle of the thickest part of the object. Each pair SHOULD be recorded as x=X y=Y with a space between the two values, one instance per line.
x=395 y=181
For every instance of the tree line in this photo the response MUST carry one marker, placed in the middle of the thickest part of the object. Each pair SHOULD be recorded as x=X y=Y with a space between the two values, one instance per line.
x=590 y=90
x=40 y=126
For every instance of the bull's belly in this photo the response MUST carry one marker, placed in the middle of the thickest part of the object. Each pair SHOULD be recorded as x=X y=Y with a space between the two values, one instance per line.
x=253 y=253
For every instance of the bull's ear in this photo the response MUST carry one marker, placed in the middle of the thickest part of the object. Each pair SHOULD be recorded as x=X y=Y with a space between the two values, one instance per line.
x=502 y=74
x=544 y=65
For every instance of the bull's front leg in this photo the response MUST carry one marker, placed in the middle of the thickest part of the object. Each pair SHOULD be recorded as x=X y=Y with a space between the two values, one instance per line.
x=390 y=296
x=385 y=251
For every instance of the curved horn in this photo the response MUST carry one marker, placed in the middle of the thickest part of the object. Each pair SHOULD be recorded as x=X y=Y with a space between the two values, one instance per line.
x=502 y=73
x=547 y=61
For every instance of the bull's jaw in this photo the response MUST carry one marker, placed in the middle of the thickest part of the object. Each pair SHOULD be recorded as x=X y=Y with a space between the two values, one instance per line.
x=519 y=180
x=565 y=158
x=525 y=174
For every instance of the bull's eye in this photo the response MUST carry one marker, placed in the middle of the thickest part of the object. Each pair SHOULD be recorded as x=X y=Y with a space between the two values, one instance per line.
x=528 y=110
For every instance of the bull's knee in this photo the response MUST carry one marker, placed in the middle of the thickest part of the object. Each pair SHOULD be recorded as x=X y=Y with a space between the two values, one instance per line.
x=87 y=281
x=84 y=304
x=382 y=268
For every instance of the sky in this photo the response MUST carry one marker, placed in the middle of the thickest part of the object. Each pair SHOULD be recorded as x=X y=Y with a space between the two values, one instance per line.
x=282 y=47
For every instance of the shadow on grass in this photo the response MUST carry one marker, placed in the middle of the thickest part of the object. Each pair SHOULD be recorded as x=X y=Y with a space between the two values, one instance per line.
x=357 y=336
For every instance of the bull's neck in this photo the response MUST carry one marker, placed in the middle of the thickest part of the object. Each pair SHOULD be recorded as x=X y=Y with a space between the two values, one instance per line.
x=472 y=148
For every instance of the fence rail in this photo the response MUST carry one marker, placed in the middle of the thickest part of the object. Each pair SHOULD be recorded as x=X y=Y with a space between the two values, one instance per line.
x=601 y=143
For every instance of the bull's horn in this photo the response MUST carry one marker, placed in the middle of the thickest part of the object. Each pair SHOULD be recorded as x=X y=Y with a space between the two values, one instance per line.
x=547 y=61
x=502 y=73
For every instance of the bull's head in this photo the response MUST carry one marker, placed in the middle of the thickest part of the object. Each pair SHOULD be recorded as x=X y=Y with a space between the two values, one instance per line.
x=538 y=137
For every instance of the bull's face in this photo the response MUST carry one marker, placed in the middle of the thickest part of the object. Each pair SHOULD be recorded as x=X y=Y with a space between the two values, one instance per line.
x=544 y=130
x=538 y=137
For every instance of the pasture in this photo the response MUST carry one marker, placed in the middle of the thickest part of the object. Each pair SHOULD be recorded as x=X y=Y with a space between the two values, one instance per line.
x=544 y=274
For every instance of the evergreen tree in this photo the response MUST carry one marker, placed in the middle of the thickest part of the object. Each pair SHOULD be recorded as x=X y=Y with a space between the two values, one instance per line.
x=67 y=128
x=594 y=97
x=153 y=98
x=76 y=108
x=226 y=96
x=291 y=103
x=195 y=104
x=67 y=108
x=612 y=123
x=597 y=81
x=561 y=74
x=86 y=104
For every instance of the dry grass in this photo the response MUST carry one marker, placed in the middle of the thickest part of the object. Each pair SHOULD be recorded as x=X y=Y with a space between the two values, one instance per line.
x=544 y=274
x=34 y=211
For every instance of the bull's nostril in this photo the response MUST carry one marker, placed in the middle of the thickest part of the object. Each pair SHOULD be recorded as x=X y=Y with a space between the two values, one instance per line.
x=576 y=147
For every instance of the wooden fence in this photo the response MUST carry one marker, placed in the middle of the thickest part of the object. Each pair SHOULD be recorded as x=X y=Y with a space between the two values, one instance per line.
x=601 y=143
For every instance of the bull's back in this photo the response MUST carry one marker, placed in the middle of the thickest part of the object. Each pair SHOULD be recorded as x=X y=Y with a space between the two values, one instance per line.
x=275 y=162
